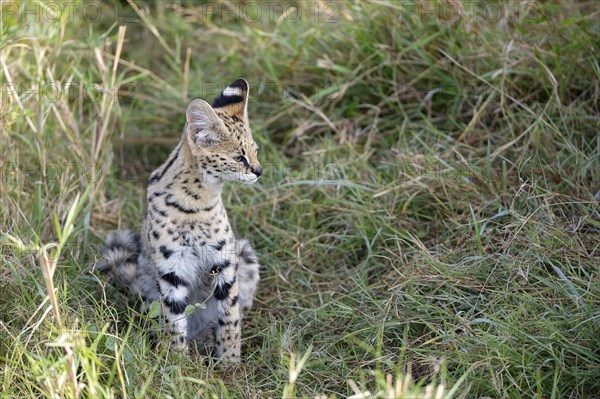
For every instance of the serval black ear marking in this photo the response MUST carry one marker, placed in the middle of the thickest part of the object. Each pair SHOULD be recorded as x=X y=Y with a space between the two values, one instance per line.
x=234 y=99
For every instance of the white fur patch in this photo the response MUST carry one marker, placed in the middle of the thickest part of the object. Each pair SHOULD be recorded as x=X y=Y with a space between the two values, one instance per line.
x=232 y=91
x=177 y=294
x=246 y=178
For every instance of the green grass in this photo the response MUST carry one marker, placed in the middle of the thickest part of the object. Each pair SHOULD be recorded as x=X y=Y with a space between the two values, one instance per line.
x=429 y=205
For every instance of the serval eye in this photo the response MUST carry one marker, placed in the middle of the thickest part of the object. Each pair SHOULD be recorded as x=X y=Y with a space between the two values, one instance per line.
x=242 y=160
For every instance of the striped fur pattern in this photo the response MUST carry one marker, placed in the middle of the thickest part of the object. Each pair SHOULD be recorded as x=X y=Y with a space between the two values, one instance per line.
x=187 y=253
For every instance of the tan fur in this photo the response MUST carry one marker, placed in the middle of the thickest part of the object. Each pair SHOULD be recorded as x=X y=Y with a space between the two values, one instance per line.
x=188 y=251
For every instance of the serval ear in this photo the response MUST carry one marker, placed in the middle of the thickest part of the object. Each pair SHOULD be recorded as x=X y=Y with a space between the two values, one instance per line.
x=234 y=99
x=203 y=127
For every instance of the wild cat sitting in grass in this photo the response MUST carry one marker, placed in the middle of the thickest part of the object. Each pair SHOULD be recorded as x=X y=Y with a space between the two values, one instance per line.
x=187 y=253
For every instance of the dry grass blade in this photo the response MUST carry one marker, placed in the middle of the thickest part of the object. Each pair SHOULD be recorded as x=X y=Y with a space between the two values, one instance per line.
x=427 y=220
x=11 y=84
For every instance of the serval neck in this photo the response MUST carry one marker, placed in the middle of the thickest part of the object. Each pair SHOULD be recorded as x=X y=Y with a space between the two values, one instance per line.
x=182 y=177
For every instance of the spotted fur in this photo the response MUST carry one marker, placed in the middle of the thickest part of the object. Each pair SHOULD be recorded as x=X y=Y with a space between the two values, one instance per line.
x=187 y=253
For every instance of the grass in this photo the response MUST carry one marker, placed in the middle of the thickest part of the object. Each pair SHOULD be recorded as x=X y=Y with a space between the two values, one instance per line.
x=428 y=222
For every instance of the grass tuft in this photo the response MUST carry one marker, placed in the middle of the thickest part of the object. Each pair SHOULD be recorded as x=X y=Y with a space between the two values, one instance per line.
x=428 y=220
